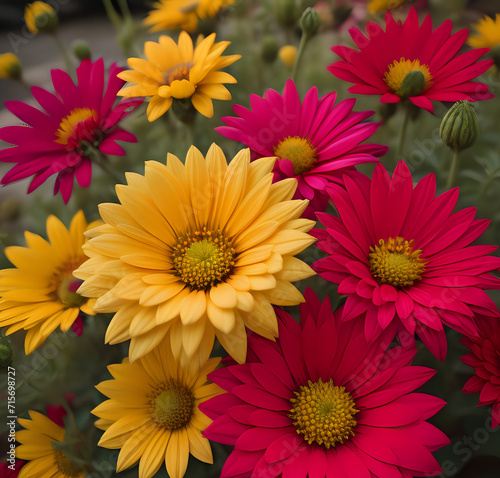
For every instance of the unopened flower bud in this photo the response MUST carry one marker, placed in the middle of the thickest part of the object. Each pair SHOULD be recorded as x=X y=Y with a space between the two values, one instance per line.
x=495 y=55
x=269 y=49
x=287 y=55
x=286 y=13
x=459 y=128
x=10 y=66
x=81 y=50
x=310 y=21
x=40 y=17
x=5 y=354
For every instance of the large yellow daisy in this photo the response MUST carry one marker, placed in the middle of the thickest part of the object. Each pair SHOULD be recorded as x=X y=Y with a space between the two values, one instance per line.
x=197 y=250
x=153 y=414
x=182 y=14
x=39 y=294
x=488 y=33
x=180 y=72
x=40 y=443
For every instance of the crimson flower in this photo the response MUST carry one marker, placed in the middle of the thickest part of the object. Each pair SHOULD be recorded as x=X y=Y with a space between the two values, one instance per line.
x=74 y=122
x=322 y=401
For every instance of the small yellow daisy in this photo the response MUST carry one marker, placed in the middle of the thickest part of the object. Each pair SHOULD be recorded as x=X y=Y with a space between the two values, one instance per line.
x=488 y=33
x=39 y=294
x=152 y=413
x=179 y=72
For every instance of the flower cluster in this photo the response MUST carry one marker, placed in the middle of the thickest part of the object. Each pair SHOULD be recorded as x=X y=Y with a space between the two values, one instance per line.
x=204 y=271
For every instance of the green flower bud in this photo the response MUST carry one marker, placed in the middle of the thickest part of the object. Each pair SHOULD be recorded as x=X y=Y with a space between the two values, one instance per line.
x=459 y=128
x=10 y=66
x=286 y=13
x=412 y=85
x=81 y=50
x=495 y=55
x=269 y=49
x=310 y=21
x=5 y=354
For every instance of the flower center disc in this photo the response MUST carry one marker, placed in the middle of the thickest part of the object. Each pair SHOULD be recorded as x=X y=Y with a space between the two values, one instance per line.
x=394 y=262
x=76 y=127
x=173 y=407
x=323 y=413
x=65 y=466
x=299 y=151
x=407 y=78
x=204 y=258
x=66 y=292
x=176 y=82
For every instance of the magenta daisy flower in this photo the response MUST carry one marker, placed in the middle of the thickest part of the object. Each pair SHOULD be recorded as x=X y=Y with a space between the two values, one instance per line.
x=310 y=404
x=61 y=139
x=412 y=61
x=485 y=358
x=405 y=259
x=316 y=141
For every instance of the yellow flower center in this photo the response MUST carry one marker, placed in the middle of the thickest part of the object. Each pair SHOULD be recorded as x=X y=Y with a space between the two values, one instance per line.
x=176 y=82
x=299 y=151
x=172 y=405
x=324 y=413
x=407 y=78
x=70 y=124
x=396 y=263
x=66 y=292
x=65 y=466
x=204 y=258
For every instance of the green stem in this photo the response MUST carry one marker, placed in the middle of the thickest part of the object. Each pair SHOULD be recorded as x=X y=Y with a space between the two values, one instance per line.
x=113 y=15
x=303 y=41
x=402 y=132
x=455 y=166
x=70 y=67
x=102 y=161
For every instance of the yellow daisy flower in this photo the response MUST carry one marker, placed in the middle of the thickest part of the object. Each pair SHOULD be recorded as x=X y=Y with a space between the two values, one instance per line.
x=197 y=250
x=488 y=33
x=180 y=72
x=39 y=294
x=153 y=414
x=182 y=14
x=39 y=444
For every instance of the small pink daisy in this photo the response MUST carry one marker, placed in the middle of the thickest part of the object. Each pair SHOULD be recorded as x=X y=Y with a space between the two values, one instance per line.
x=316 y=141
x=485 y=358
x=404 y=258
x=408 y=61
x=76 y=120
x=322 y=401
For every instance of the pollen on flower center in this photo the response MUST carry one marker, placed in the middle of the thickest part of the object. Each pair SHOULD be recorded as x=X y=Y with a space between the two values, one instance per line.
x=65 y=466
x=172 y=405
x=204 y=258
x=324 y=413
x=71 y=126
x=407 y=78
x=299 y=151
x=395 y=262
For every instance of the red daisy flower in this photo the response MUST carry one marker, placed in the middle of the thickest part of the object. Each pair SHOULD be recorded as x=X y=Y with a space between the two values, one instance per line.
x=310 y=404
x=60 y=139
x=411 y=61
x=485 y=358
x=405 y=259
x=11 y=470
x=316 y=141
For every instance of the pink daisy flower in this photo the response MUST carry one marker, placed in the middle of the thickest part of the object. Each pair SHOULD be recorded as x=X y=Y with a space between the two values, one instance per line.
x=485 y=358
x=60 y=139
x=404 y=258
x=316 y=141
x=310 y=404
x=408 y=61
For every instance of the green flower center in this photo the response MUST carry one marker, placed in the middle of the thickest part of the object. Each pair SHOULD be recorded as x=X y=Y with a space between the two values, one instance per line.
x=407 y=78
x=204 y=258
x=299 y=151
x=324 y=413
x=396 y=263
x=172 y=405
x=65 y=466
x=66 y=292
